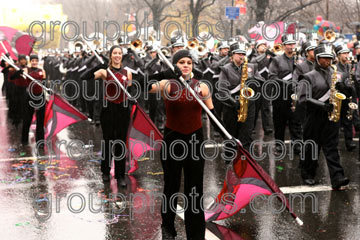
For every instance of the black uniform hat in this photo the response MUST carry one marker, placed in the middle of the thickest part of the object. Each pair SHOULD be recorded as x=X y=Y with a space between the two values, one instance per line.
x=288 y=39
x=324 y=50
x=238 y=48
x=223 y=44
x=341 y=49
x=177 y=42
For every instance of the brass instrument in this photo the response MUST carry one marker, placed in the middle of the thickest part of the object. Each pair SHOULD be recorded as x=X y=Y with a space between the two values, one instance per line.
x=202 y=49
x=246 y=93
x=329 y=35
x=352 y=106
x=277 y=49
x=166 y=51
x=335 y=98
x=136 y=44
x=192 y=44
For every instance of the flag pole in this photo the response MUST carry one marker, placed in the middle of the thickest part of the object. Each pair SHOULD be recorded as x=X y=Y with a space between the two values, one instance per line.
x=252 y=163
x=211 y=115
x=110 y=72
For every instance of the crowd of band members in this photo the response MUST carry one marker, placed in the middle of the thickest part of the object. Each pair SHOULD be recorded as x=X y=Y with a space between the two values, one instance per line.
x=221 y=69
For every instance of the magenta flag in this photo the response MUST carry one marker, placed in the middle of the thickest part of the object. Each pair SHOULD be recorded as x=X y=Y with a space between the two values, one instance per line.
x=245 y=179
x=58 y=115
x=141 y=137
x=15 y=41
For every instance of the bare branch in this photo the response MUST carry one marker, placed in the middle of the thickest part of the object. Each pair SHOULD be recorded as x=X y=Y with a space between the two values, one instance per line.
x=169 y=15
x=295 y=9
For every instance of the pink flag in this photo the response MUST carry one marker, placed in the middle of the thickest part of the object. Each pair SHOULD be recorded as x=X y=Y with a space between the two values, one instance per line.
x=58 y=115
x=244 y=179
x=142 y=134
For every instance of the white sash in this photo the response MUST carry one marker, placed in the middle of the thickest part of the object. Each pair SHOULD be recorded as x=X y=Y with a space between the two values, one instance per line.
x=325 y=97
x=236 y=89
x=265 y=69
x=288 y=77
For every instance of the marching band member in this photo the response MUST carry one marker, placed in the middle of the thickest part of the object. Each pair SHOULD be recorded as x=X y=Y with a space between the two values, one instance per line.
x=346 y=87
x=262 y=59
x=183 y=122
x=318 y=126
x=229 y=88
x=281 y=69
x=35 y=100
x=19 y=90
x=115 y=116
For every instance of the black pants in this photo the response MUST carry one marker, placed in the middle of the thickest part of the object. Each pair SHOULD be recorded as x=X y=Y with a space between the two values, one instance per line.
x=326 y=136
x=263 y=105
x=19 y=103
x=283 y=115
x=241 y=131
x=157 y=111
x=27 y=118
x=114 y=122
x=193 y=181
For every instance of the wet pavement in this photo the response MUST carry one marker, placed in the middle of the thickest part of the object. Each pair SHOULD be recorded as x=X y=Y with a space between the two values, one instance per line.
x=50 y=198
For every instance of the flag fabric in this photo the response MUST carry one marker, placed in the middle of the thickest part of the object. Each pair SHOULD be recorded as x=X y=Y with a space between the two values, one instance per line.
x=16 y=42
x=244 y=180
x=58 y=115
x=141 y=137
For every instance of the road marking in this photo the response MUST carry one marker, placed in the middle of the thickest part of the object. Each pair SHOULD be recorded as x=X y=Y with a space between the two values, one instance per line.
x=305 y=189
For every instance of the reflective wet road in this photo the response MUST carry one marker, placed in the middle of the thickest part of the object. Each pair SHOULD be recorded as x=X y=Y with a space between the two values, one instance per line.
x=64 y=198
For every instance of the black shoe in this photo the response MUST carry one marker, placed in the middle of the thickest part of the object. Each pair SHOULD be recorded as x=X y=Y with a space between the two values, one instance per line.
x=309 y=181
x=168 y=232
x=278 y=150
x=121 y=181
x=297 y=150
x=106 y=178
x=343 y=181
x=350 y=147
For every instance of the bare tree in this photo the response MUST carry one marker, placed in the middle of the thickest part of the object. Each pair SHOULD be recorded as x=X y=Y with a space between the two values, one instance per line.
x=196 y=8
x=157 y=8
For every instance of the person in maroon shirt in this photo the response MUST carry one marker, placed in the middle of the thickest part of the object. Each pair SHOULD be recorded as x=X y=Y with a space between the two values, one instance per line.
x=18 y=82
x=115 y=114
x=183 y=123
x=34 y=101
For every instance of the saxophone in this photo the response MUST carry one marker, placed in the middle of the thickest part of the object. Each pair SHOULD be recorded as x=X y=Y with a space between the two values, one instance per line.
x=335 y=98
x=352 y=106
x=245 y=93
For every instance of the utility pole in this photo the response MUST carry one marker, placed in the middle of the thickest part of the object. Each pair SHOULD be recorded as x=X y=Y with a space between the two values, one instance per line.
x=327 y=9
x=231 y=21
